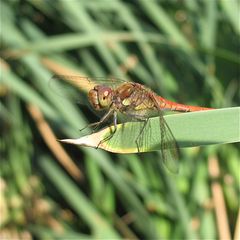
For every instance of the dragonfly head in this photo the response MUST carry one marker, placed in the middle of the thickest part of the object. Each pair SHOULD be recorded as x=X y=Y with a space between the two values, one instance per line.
x=100 y=97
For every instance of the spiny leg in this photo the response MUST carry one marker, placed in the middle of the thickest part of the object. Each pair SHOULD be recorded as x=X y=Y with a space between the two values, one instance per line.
x=112 y=132
x=97 y=124
x=139 y=117
x=145 y=120
x=90 y=125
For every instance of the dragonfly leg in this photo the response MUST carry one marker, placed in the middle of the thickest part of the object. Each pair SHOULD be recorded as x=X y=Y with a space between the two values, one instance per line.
x=145 y=120
x=89 y=125
x=95 y=125
x=139 y=117
x=112 y=132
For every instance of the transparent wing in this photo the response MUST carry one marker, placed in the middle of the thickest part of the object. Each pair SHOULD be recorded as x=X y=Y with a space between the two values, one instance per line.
x=84 y=83
x=169 y=147
x=72 y=87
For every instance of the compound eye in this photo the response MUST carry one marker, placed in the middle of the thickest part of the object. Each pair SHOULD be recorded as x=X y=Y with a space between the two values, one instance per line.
x=93 y=99
x=105 y=96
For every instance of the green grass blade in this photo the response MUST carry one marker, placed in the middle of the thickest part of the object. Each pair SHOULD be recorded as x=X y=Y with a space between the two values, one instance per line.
x=190 y=130
x=231 y=9
x=77 y=200
x=25 y=92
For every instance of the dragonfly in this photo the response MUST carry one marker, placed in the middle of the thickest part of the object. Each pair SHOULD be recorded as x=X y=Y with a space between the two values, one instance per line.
x=114 y=96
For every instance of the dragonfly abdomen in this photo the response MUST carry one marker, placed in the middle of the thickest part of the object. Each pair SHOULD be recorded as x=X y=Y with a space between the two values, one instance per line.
x=172 y=106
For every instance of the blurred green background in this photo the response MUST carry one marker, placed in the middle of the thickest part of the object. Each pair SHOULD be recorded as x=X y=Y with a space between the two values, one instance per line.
x=186 y=51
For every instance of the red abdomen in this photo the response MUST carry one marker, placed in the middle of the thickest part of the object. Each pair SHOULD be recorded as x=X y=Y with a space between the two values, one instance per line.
x=169 y=105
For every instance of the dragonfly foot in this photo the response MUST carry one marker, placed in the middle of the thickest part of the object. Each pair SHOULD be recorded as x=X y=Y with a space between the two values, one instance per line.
x=137 y=146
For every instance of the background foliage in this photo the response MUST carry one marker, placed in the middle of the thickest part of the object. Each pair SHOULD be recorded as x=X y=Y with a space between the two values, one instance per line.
x=186 y=51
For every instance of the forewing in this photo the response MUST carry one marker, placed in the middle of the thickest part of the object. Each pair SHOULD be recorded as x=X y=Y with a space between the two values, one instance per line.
x=84 y=84
x=74 y=88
